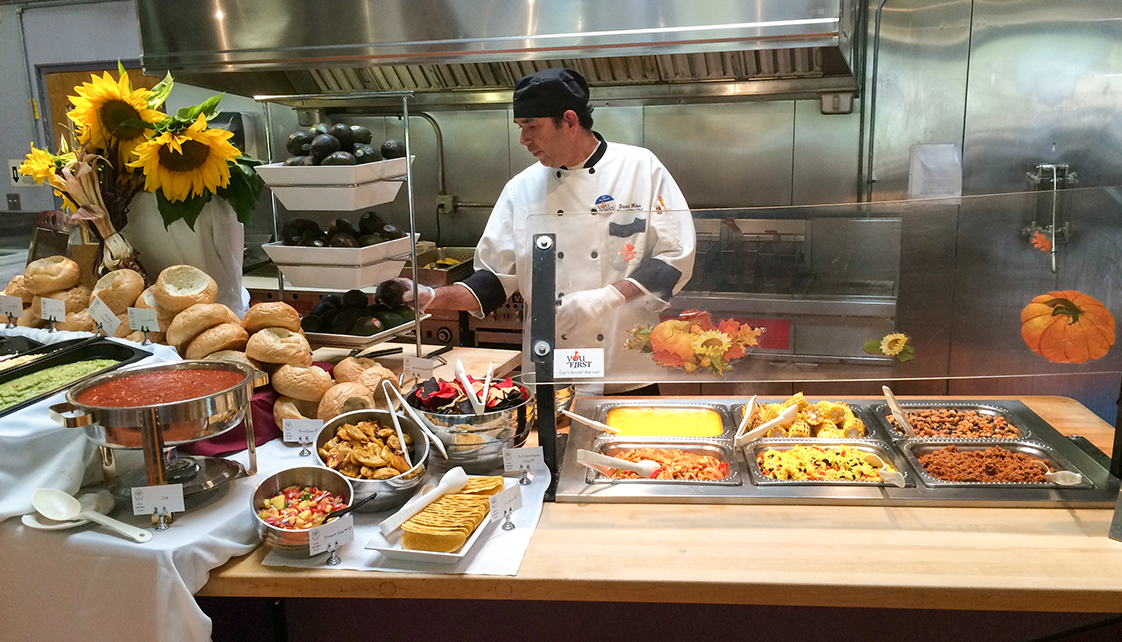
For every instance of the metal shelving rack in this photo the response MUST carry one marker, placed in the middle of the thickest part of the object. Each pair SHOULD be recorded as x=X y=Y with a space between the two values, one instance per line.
x=305 y=101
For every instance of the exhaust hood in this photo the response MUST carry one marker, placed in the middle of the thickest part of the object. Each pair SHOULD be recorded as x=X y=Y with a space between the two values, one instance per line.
x=464 y=53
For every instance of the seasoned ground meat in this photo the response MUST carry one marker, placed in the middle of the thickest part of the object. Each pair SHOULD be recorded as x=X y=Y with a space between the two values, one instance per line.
x=959 y=424
x=994 y=464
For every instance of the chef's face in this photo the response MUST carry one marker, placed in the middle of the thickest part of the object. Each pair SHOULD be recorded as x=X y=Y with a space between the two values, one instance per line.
x=551 y=144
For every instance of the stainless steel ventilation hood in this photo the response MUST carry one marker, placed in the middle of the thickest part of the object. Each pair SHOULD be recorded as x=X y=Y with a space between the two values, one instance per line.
x=463 y=53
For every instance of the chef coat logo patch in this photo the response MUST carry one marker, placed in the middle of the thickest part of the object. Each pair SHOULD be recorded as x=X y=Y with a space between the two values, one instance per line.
x=581 y=362
x=606 y=203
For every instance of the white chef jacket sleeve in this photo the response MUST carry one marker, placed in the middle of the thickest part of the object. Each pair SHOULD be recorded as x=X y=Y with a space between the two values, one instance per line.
x=495 y=277
x=671 y=238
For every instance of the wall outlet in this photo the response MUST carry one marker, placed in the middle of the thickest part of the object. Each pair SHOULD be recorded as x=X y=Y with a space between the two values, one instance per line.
x=445 y=204
x=13 y=202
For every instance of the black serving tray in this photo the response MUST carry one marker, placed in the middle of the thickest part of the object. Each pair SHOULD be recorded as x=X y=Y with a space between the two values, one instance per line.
x=17 y=345
x=101 y=348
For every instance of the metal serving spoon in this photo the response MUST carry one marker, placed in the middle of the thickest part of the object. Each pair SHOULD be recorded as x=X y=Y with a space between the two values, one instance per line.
x=349 y=509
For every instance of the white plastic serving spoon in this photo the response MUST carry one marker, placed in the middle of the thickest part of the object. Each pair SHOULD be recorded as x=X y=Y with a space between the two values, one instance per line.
x=894 y=477
x=785 y=418
x=59 y=506
x=898 y=412
x=645 y=467
x=486 y=386
x=590 y=422
x=1061 y=477
x=749 y=411
x=453 y=480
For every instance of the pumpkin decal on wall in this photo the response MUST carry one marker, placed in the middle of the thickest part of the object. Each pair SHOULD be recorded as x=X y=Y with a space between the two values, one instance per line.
x=1067 y=327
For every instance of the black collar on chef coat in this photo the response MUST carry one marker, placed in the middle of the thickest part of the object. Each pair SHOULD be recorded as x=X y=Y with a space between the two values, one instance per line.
x=594 y=158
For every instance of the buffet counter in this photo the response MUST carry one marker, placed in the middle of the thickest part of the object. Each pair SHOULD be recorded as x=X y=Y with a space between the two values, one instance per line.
x=907 y=557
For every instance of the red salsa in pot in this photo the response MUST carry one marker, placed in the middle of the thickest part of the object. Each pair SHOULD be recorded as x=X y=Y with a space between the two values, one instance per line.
x=153 y=388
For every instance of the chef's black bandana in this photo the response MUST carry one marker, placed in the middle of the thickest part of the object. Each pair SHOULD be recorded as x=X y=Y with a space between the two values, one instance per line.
x=549 y=93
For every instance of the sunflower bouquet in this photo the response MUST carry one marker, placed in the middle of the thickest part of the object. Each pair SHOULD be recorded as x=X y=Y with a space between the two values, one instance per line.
x=124 y=144
x=693 y=341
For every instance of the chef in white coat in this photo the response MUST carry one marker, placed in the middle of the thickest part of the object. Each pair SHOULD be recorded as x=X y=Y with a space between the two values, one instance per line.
x=625 y=235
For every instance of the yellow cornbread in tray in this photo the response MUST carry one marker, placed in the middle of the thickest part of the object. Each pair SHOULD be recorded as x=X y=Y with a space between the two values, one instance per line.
x=446 y=524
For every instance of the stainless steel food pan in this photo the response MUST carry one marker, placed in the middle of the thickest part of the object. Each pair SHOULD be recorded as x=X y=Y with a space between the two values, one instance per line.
x=612 y=446
x=882 y=413
x=753 y=450
x=915 y=448
x=728 y=426
x=872 y=428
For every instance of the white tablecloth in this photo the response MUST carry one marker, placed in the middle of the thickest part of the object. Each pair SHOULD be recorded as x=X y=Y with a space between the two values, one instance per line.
x=91 y=584
x=36 y=452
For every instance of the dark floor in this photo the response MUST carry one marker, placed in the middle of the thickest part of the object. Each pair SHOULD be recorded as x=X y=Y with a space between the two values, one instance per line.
x=344 y=620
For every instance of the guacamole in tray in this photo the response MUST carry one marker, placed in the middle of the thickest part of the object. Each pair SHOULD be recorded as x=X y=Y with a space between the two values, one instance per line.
x=32 y=385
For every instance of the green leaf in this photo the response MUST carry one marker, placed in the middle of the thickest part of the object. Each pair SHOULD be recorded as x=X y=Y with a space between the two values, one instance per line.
x=907 y=354
x=121 y=70
x=188 y=209
x=160 y=92
x=137 y=123
x=243 y=191
x=209 y=107
x=872 y=347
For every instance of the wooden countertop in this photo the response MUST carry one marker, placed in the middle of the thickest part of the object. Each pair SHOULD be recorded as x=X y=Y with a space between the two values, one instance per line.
x=934 y=558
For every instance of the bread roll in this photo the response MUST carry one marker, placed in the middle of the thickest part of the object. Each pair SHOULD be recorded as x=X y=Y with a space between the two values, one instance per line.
x=32 y=318
x=307 y=383
x=181 y=286
x=119 y=289
x=52 y=274
x=271 y=315
x=289 y=408
x=17 y=288
x=195 y=320
x=351 y=368
x=123 y=328
x=80 y=321
x=148 y=302
x=279 y=345
x=75 y=299
x=228 y=336
x=344 y=397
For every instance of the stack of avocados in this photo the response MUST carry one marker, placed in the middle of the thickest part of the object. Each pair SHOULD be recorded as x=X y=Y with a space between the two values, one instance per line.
x=352 y=313
x=340 y=233
x=338 y=144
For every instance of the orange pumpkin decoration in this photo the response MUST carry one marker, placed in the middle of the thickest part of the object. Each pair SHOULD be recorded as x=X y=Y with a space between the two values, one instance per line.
x=1067 y=327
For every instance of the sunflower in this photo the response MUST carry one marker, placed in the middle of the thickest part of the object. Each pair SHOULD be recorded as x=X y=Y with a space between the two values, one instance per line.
x=711 y=342
x=103 y=109
x=186 y=164
x=893 y=344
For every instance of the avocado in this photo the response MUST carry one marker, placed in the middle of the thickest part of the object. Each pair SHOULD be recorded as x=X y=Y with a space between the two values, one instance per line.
x=323 y=146
x=361 y=135
x=311 y=323
x=344 y=134
x=355 y=299
x=345 y=320
x=320 y=128
x=333 y=298
x=297 y=227
x=390 y=293
x=370 y=223
x=322 y=307
x=294 y=161
x=299 y=143
x=393 y=148
x=370 y=239
x=307 y=161
x=339 y=158
x=314 y=238
x=405 y=312
x=391 y=232
x=342 y=225
x=365 y=153
x=366 y=326
x=328 y=317
x=389 y=319
x=342 y=239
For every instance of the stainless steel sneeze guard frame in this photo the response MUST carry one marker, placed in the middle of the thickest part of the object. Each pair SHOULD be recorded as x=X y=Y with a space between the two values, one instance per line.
x=1101 y=492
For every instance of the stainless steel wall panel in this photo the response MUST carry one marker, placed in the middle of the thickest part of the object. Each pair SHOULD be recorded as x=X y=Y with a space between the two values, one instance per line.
x=825 y=155
x=1045 y=87
x=725 y=155
x=920 y=88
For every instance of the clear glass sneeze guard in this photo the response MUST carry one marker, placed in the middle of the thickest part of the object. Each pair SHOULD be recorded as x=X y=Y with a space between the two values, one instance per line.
x=887 y=291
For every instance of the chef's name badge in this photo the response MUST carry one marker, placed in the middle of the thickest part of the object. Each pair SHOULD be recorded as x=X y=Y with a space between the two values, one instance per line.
x=582 y=362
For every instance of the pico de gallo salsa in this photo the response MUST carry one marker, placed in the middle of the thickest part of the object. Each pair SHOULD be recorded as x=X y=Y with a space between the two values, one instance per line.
x=299 y=507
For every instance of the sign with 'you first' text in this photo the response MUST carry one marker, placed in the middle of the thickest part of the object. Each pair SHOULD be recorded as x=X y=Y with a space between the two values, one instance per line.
x=582 y=362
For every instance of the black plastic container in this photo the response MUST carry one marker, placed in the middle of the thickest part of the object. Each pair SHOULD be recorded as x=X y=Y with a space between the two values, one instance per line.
x=17 y=345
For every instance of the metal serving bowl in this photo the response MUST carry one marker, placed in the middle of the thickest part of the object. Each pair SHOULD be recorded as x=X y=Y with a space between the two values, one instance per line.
x=476 y=442
x=295 y=541
x=178 y=422
x=392 y=492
